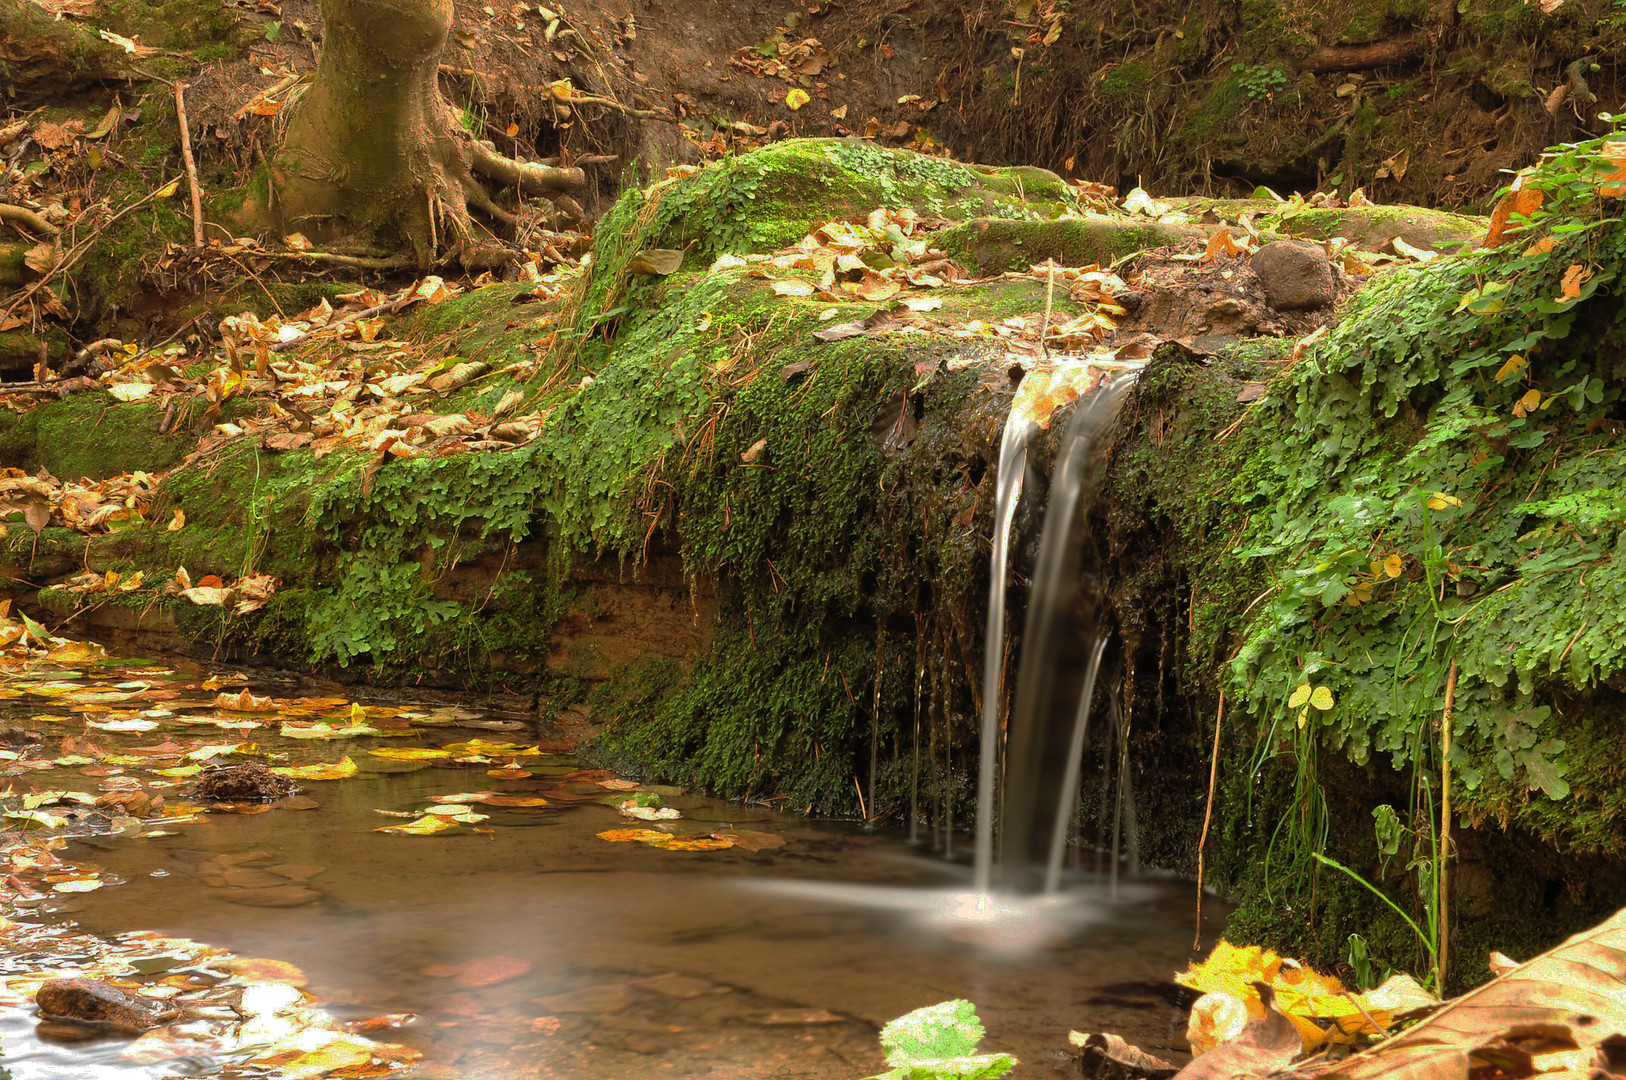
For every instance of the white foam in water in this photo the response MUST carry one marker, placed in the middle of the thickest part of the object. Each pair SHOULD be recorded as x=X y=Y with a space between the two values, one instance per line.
x=1002 y=922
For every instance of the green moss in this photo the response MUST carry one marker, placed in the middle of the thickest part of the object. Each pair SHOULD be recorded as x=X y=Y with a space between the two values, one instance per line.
x=1125 y=85
x=994 y=246
x=90 y=435
x=172 y=24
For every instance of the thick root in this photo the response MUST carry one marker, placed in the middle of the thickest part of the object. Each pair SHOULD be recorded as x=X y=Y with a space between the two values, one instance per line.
x=529 y=179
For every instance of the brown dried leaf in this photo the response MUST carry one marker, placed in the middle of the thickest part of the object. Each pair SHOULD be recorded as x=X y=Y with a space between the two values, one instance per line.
x=1567 y=995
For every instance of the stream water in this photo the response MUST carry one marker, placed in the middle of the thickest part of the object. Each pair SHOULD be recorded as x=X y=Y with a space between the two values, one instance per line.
x=527 y=945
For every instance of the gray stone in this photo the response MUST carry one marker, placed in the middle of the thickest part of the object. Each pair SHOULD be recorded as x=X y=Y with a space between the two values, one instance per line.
x=1295 y=275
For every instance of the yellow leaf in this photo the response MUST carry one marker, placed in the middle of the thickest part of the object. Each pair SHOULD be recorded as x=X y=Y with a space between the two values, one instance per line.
x=340 y=770
x=692 y=843
x=1300 y=696
x=168 y=191
x=797 y=98
x=410 y=753
x=424 y=826
x=1392 y=566
x=1512 y=369
x=642 y=836
x=1440 y=500
x=1528 y=403
x=1321 y=698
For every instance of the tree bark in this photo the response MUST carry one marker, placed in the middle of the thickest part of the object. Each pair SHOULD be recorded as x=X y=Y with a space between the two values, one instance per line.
x=373 y=150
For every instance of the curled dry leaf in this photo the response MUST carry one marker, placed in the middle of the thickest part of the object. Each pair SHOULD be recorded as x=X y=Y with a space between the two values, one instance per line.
x=1568 y=998
x=243 y=702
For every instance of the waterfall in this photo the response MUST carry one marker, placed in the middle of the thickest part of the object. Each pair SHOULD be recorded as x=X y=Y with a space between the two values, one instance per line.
x=1062 y=649
x=1013 y=462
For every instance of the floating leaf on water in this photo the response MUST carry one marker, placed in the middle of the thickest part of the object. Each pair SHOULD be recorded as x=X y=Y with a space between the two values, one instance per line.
x=122 y=725
x=244 y=702
x=411 y=753
x=693 y=843
x=649 y=813
x=424 y=826
x=78 y=886
x=495 y=749
x=615 y=783
x=324 y=731
x=490 y=798
x=76 y=652
x=642 y=836
x=340 y=770
x=457 y=812
x=751 y=840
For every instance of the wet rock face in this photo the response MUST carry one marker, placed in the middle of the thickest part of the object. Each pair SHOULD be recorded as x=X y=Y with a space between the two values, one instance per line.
x=99 y=1002
x=252 y=782
x=1295 y=275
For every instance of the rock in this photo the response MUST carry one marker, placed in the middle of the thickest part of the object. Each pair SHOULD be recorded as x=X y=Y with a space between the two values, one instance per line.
x=252 y=782
x=274 y=897
x=1295 y=275
x=103 y=1003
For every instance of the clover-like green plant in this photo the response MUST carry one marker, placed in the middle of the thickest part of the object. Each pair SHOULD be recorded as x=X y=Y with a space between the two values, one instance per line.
x=939 y=1042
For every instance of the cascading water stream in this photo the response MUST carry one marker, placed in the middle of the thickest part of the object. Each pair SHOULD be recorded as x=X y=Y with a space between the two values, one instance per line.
x=1013 y=462
x=1061 y=656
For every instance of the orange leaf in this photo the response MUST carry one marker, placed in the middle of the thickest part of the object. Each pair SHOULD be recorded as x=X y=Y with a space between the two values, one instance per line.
x=1518 y=200
x=1611 y=186
x=1574 y=278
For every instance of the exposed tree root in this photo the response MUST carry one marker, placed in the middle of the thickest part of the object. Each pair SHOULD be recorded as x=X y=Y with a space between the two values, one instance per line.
x=28 y=220
x=373 y=151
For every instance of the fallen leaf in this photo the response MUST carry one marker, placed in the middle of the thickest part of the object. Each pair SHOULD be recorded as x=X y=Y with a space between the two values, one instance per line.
x=1568 y=997
x=244 y=702
x=340 y=770
x=423 y=826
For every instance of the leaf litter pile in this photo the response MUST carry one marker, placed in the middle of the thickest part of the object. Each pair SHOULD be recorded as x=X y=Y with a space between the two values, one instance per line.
x=135 y=749
x=1560 y=1016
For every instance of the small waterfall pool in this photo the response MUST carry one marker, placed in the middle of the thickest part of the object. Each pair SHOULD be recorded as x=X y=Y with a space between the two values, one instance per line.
x=525 y=944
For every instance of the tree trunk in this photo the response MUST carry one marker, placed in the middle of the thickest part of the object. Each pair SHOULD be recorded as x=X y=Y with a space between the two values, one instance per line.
x=372 y=150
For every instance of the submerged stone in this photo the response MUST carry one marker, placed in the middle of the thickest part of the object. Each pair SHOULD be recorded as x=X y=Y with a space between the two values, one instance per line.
x=95 y=1001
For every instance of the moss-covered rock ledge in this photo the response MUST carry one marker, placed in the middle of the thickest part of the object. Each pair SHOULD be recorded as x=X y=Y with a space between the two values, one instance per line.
x=727 y=532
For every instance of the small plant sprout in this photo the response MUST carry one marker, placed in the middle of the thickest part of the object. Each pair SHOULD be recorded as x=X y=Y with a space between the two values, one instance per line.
x=939 y=1042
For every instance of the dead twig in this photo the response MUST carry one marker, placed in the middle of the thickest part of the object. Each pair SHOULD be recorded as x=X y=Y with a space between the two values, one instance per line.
x=1208 y=815
x=358 y=262
x=191 y=165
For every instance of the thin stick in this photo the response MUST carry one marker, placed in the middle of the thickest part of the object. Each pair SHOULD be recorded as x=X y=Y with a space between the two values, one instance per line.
x=387 y=306
x=79 y=248
x=1208 y=815
x=862 y=809
x=1370 y=1019
x=191 y=165
x=1049 y=297
x=1442 y=873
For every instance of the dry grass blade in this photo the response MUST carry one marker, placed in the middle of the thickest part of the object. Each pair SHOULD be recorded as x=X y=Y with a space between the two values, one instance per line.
x=1568 y=998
